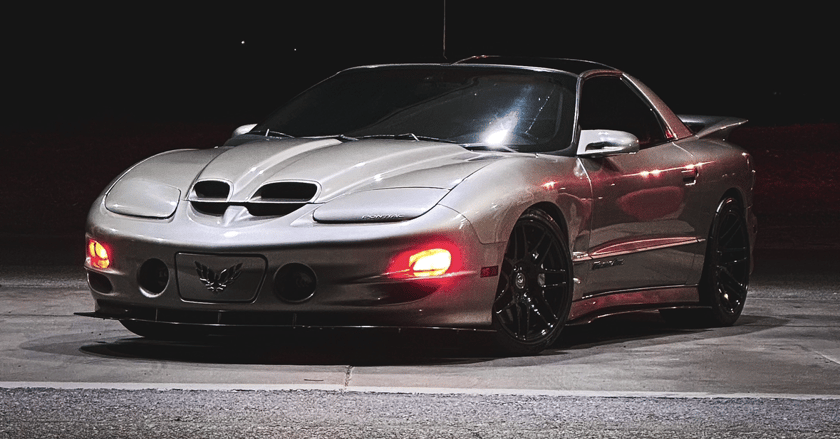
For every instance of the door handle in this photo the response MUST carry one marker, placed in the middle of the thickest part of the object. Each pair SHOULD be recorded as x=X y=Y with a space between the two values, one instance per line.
x=689 y=175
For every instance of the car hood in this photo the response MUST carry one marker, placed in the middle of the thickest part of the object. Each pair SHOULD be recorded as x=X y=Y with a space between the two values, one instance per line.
x=339 y=167
x=333 y=167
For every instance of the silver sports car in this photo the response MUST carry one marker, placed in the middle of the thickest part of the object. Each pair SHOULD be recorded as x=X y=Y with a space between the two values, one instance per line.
x=508 y=195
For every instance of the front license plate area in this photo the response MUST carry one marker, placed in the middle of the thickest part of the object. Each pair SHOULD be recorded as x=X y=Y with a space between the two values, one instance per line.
x=219 y=278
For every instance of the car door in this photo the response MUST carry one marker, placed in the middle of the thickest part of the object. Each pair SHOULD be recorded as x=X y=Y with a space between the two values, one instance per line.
x=640 y=236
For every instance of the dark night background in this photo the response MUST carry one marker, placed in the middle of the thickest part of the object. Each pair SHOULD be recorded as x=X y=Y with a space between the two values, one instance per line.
x=91 y=90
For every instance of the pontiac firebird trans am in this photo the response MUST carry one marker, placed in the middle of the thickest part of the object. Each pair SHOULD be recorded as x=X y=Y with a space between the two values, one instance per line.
x=507 y=195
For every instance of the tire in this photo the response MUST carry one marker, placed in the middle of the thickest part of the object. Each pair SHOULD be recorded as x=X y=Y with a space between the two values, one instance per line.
x=535 y=286
x=726 y=271
x=163 y=331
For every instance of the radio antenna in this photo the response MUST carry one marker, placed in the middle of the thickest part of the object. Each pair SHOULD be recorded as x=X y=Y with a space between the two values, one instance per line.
x=444 y=29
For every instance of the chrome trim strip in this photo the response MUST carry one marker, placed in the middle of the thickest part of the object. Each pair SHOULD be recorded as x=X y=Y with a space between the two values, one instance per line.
x=642 y=245
x=636 y=290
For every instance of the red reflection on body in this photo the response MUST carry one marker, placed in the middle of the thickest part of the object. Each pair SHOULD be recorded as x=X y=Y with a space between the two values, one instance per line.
x=654 y=203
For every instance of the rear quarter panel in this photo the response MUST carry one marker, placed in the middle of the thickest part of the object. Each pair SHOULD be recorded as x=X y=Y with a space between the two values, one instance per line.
x=723 y=169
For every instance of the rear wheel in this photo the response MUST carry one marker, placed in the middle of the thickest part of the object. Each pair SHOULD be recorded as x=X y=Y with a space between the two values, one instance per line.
x=726 y=273
x=535 y=291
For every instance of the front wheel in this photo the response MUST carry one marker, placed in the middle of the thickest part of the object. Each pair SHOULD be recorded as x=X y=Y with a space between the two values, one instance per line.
x=535 y=286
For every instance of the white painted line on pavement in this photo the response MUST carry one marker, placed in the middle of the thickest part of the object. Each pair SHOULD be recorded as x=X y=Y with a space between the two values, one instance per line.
x=58 y=385
x=829 y=357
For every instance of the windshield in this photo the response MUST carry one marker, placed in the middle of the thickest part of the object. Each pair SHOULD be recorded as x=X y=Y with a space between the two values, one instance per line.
x=514 y=108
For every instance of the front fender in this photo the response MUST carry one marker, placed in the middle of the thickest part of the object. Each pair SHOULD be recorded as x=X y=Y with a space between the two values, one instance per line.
x=493 y=198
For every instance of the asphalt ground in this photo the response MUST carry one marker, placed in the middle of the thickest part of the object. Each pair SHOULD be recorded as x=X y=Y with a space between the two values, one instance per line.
x=44 y=413
x=774 y=374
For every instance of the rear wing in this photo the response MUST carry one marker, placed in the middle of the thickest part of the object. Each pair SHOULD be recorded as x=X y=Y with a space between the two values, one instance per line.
x=711 y=126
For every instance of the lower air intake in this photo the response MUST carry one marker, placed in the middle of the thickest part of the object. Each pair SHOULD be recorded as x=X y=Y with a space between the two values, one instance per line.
x=295 y=283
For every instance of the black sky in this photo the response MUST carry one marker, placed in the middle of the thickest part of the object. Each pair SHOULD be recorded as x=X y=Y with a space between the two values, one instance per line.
x=237 y=62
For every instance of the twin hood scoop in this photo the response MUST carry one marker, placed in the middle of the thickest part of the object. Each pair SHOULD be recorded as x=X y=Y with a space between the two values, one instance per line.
x=278 y=177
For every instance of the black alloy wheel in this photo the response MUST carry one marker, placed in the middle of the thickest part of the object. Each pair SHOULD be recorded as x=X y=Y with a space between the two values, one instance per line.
x=535 y=286
x=726 y=273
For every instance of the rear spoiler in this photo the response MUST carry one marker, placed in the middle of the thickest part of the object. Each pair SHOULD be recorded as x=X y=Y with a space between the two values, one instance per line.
x=711 y=126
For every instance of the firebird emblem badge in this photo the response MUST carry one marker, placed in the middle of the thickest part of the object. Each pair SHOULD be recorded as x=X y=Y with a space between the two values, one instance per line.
x=217 y=283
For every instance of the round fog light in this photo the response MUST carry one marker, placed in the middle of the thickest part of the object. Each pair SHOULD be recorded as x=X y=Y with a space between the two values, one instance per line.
x=295 y=283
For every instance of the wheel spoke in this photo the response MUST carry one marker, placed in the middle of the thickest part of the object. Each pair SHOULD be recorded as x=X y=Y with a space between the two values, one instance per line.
x=504 y=294
x=734 y=250
x=542 y=254
x=542 y=308
x=735 y=263
x=531 y=320
x=536 y=255
x=508 y=264
x=504 y=302
x=732 y=285
x=552 y=271
x=729 y=233
x=521 y=242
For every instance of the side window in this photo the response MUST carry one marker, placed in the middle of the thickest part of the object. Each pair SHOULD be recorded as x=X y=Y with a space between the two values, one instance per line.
x=608 y=103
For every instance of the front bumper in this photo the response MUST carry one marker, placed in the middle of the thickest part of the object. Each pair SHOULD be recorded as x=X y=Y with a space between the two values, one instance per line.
x=347 y=261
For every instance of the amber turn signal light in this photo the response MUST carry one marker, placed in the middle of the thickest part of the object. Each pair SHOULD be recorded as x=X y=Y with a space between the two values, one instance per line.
x=98 y=255
x=418 y=264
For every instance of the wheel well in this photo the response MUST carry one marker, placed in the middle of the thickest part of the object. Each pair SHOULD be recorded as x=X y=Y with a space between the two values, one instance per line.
x=554 y=212
x=730 y=193
x=733 y=193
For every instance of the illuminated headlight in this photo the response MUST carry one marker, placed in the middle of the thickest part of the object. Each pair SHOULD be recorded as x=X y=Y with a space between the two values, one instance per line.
x=142 y=198
x=381 y=205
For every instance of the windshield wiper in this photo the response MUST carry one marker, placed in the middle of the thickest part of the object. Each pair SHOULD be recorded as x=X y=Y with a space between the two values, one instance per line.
x=345 y=138
x=272 y=133
x=407 y=136
x=486 y=147
x=416 y=138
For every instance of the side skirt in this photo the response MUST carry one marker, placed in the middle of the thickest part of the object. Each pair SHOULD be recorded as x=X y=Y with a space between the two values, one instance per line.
x=594 y=307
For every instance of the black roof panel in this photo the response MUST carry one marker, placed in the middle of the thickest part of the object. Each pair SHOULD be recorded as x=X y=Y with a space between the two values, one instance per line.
x=575 y=66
